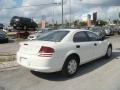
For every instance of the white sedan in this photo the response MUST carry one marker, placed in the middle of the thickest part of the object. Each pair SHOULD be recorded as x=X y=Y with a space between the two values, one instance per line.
x=63 y=50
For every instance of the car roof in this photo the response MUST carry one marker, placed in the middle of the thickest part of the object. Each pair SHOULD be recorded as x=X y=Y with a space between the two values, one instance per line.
x=74 y=30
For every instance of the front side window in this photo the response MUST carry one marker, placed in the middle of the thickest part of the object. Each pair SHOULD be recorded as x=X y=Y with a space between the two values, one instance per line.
x=80 y=37
x=54 y=36
x=92 y=36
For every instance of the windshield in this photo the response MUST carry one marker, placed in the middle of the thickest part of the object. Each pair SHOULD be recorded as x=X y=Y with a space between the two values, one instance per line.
x=54 y=36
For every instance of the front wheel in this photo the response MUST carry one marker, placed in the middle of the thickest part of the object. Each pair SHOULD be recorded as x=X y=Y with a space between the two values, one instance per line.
x=109 y=52
x=119 y=33
x=70 y=66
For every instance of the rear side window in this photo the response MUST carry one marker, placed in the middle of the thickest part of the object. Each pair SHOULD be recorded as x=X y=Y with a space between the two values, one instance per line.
x=54 y=36
x=92 y=36
x=80 y=37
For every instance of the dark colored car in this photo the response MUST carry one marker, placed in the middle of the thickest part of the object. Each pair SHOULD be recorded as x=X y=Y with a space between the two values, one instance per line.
x=23 y=23
x=99 y=31
x=119 y=30
x=3 y=38
x=1 y=26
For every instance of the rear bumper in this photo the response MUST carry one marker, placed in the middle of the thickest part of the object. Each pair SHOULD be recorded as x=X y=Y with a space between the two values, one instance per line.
x=40 y=64
x=39 y=69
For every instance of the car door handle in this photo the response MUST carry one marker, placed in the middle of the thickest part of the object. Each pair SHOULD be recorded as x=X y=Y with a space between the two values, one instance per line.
x=95 y=44
x=77 y=46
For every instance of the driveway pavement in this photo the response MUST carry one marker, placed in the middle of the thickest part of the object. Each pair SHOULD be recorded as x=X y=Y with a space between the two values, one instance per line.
x=9 y=48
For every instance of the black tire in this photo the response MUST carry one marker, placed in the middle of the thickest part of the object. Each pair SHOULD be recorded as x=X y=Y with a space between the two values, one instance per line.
x=109 y=52
x=66 y=71
x=119 y=33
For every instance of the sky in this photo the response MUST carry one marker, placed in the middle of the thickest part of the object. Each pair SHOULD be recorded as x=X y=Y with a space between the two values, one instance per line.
x=106 y=9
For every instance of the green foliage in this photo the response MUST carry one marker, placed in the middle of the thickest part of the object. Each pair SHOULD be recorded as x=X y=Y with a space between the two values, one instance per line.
x=83 y=23
x=116 y=21
x=101 y=23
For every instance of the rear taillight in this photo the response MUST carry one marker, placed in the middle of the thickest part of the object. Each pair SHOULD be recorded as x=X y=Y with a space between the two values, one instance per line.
x=46 y=51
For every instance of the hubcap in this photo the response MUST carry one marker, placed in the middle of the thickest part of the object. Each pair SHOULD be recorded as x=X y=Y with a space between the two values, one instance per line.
x=109 y=51
x=72 y=66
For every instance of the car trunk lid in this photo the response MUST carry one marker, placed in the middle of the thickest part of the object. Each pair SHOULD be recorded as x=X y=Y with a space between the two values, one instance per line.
x=33 y=47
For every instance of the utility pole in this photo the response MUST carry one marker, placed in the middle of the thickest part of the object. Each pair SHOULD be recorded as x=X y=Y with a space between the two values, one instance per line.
x=70 y=13
x=53 y=18
x=119 y=18
x=62 y=14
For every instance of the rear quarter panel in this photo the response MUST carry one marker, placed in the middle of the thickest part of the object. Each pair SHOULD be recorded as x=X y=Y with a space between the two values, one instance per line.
x=62 y=51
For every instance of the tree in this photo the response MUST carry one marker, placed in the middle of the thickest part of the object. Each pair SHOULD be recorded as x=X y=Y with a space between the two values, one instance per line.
x=82 y=23
x=116 y=21
x=76 y=23
x=101 y=23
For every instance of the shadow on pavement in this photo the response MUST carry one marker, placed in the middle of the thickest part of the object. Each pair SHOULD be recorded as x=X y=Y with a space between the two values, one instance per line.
x=83 y=69
x=2 y=88
x=6 y=42
x=117 y=48
x=11 y=41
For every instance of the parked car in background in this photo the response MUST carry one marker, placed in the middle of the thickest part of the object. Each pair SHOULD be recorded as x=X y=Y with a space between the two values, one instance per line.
x=2 y=32
x=99 y=31
x=1 y=26
x=5 y=30
x=119 y=32
x=3 y=38
x=23 y=23
x=108 y=31
x=63 y=50
x=38 y=33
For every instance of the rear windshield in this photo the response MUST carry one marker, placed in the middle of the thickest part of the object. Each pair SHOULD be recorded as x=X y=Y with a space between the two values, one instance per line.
x=43 y=31
x=54 y=36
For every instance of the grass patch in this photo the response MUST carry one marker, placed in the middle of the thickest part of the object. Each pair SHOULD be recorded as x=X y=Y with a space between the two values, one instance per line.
x=7 y=58
x=20 y=40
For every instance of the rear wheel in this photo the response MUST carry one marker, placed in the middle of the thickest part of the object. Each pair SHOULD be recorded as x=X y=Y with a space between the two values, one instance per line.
x=109 y=52
x=118 y=32
x=70 y=66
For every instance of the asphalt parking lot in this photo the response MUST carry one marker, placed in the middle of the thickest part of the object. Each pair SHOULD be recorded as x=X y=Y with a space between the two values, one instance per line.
x=101 y=74
x=10 y=48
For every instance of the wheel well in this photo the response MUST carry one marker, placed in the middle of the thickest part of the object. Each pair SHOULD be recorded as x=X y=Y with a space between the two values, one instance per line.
x=110 y=45
x=76 y=56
